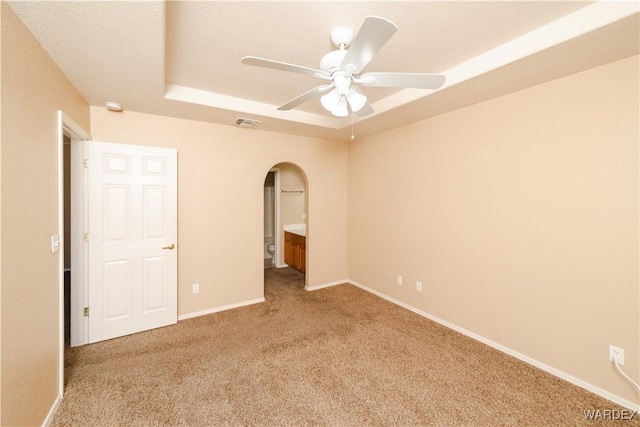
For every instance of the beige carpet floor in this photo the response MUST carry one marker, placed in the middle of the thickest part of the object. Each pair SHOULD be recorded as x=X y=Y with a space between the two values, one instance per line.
x=336 y=357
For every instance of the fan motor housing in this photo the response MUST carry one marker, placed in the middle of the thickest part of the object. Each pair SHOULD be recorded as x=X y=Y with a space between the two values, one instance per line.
x=332 y=60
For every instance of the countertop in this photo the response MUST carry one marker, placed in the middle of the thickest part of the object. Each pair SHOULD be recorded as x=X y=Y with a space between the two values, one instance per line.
x=299 y=229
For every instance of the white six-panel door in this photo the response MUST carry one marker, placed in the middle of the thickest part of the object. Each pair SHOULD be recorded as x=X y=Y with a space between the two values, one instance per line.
x=132 y=239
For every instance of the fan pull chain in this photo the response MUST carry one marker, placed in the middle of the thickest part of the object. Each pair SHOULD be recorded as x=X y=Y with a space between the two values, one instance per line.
x=352 y=137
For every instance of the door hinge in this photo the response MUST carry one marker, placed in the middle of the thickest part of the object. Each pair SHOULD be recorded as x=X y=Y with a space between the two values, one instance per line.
x=85 y=163
x=86 y=237
x=86 y=311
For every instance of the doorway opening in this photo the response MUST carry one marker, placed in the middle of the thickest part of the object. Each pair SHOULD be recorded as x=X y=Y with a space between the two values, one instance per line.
x=271 y=218
x=67 y=238
x=73 y=221
x=70 y=135
x=285 y=217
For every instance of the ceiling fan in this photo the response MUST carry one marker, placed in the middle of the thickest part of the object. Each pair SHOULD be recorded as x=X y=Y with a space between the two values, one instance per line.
x=342 y=68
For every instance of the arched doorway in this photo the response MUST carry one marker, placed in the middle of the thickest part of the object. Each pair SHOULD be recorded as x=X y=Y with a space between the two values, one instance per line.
x=285 y=217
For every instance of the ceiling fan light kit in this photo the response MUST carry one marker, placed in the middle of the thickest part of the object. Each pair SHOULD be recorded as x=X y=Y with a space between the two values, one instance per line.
x=341 y=109
x=330 y=100
x=336 y=101
x=344 y=67
x=356 y=100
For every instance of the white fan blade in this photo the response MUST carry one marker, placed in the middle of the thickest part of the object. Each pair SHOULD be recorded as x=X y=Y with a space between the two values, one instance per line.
x=412 y=80
x=373 y=34
x=304 y=97
x=283 y=66
x=365 y=111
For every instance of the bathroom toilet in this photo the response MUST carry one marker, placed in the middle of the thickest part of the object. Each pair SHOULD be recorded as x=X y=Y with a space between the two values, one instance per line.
x=270 y=249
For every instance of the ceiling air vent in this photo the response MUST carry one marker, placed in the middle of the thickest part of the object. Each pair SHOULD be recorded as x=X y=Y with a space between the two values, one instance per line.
x=247 y=123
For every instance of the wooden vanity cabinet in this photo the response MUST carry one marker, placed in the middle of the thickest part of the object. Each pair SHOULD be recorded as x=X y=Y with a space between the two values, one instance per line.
x=295 y=248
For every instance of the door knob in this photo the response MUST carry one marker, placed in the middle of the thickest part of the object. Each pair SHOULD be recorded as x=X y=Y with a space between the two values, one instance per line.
x=171 y=246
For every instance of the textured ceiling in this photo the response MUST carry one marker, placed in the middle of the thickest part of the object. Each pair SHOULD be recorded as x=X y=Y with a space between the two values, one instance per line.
x=182 y=59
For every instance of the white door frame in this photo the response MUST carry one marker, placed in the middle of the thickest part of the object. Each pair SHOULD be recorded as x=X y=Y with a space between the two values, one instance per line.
x=76 y=133
x=277 y=227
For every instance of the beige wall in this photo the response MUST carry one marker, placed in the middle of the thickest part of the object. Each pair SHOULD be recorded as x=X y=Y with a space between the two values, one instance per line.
x=33 y=90
x=292 y=205
x=221 y=171
x=520 y=217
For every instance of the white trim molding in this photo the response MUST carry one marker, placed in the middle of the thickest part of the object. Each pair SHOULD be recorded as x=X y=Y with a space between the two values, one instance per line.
x=553 y=371
x=219 y=309
x=327 y=285
x=52 y=412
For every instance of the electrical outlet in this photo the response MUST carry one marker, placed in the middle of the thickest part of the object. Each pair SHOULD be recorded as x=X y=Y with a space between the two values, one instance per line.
x=196 y=288
x=617 y=354
x=419 y=286
x=399 y=280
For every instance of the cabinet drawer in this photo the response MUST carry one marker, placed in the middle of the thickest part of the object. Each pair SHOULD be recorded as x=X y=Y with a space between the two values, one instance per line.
x=295 y=239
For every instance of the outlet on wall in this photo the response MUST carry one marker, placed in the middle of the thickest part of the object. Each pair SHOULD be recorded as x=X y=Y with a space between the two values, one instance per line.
x=399 y=280
x=617 y=354
x=419 y=286
x=196 y=288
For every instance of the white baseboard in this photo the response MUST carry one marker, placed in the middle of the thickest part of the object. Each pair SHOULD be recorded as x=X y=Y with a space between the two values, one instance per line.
x=327 y=285
x=218 y=309
x=52 y=412
x=553 y=371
